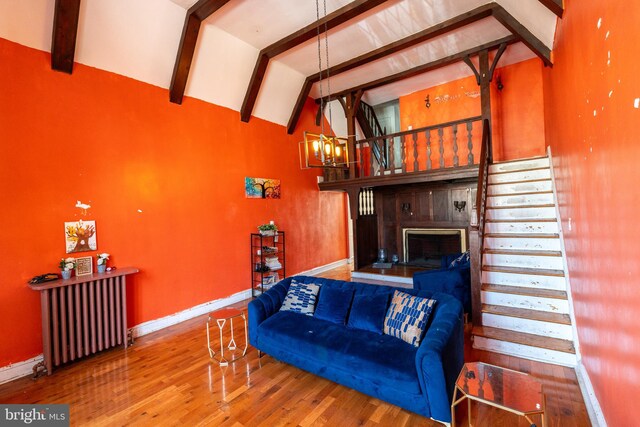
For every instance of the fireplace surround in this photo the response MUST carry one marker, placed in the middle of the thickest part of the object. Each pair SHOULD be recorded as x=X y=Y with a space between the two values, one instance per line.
x=424 y=247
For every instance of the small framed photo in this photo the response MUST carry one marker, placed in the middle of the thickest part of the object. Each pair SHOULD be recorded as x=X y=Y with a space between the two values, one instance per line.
x=84 y=266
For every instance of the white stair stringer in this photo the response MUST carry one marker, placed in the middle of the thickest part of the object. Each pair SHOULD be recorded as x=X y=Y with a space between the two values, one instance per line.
x=526 y=310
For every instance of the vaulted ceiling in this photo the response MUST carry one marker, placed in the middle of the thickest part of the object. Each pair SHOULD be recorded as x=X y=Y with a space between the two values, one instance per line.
x=260 y=57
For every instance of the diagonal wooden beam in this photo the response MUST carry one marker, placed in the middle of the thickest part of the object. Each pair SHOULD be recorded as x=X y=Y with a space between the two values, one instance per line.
x=65 y=31
x=420 y=37
x=525 y=36
x=439 y=63
x=330 y=21
x=195 y=15
x=554 y=6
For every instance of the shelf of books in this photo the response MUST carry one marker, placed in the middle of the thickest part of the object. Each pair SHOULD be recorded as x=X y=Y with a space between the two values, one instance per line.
x=267 y=261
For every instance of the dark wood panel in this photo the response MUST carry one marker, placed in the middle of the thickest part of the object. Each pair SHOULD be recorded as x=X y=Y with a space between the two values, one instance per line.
x=442 y=206
x=366 y=240
x=190 y=30
x=65 y=31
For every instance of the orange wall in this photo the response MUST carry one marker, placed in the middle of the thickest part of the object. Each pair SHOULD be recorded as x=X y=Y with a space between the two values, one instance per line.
x=517 y=110
x=592 y=129
x=119 y=145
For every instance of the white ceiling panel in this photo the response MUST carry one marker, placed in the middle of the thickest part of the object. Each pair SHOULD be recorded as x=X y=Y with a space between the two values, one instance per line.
x=263 y=22
x=114 y=36
x=473 y=35
x=29 y=23
x=515 y=53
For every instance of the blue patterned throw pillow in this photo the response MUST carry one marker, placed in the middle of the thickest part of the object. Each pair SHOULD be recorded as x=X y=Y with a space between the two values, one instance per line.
x=301 y=298
x=407 y=317
x=461 y=260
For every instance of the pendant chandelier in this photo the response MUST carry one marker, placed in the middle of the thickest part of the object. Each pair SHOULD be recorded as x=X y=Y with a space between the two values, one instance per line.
x=324 y=150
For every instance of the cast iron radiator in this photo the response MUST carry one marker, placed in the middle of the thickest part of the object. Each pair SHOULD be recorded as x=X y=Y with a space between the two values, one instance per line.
x=82 y=316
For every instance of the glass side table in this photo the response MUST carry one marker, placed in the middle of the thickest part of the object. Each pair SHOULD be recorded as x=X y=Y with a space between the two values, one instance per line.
x=221 y=317
x=502 y=388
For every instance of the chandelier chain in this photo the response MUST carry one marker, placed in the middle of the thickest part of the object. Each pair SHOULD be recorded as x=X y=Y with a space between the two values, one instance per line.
x=320 y=63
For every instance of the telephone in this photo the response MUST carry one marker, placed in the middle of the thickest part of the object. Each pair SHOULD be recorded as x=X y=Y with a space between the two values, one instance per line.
x=47 y=277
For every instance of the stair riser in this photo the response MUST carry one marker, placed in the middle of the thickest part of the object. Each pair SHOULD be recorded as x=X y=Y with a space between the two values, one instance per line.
x=525 y=351
x=521 y=227
x=522 y=187
x=520 y=176
x=524 y=261
x=524 y=200
x=519 y=166
x=551 y=305
x=522 y=244
x=521 y=213
x=528 y=326
x=524 y=280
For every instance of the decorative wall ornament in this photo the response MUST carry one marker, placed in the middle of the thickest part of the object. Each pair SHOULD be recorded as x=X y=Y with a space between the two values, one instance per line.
x=261 y=188
x=80 y=236
x=427 y=102
x=84 y=266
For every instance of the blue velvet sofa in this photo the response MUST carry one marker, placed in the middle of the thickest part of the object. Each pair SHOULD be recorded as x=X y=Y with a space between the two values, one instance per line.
x=419 y=379
x=453 y=280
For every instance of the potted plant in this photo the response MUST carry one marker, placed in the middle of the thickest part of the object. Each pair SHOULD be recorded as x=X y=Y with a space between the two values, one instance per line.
x=268 y=229
x=102 y=262
x=66 y=266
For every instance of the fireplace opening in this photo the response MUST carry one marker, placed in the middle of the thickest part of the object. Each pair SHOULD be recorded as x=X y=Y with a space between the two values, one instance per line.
x=424 y=247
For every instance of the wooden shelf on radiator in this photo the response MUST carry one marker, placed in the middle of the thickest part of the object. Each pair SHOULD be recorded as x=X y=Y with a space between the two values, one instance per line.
x=82 y=316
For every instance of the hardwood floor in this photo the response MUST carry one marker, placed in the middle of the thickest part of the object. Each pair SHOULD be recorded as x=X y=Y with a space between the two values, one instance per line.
x=167 y=378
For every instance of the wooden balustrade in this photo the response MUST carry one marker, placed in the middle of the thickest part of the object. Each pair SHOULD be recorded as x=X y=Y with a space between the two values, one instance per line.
x=413 y=151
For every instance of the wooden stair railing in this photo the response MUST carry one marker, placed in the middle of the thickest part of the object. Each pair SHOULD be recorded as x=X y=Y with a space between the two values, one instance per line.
x=371 y=128
x=477 y=224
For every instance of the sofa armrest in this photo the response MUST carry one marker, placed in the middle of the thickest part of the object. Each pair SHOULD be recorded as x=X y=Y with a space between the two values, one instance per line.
x=440 y=358
x=265 y=306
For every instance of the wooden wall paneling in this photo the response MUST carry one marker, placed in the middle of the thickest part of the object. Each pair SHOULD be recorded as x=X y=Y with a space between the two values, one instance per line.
x=461 y=194
x=366 y=240
x=442 y=205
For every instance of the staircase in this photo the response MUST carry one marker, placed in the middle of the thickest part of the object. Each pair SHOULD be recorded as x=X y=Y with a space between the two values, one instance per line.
x=368 y=121
x=525 y=306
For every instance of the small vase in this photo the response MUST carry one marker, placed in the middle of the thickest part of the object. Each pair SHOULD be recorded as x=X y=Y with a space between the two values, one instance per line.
x=102 y=268
x=66 y=274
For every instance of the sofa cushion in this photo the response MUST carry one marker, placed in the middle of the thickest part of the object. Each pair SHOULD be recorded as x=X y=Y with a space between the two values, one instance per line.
x=407 y=317
x=333 y=304
x=460 y=261
x=380 y=359
x=301 y=298
x=368 y=311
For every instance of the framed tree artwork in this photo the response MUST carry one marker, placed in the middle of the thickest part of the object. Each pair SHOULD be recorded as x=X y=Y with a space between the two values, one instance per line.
x=80 y=236
x=262 y=188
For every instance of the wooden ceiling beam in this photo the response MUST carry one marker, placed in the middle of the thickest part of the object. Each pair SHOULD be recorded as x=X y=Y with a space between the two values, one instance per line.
x=425 y=68
x=525 y=36
x=65 y=31
x=427 y=34
x=195 y=15
x=554 y=6
x=330 y=21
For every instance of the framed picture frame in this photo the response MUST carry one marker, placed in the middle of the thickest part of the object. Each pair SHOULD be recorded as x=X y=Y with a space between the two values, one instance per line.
x=84 y=266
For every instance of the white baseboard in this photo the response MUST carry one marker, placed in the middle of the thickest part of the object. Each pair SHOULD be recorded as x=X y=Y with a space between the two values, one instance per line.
x=22 y=369
x=323 y=268
x=198 y=310
x=590 y=400
x=19 y=369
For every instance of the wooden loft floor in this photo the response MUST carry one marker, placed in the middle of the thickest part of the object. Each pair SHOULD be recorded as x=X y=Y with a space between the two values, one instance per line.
x=166 y=378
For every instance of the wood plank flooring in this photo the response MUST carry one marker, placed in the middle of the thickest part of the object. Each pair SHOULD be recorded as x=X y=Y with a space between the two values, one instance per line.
x=167 y=378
